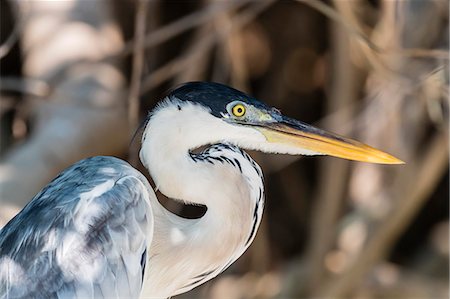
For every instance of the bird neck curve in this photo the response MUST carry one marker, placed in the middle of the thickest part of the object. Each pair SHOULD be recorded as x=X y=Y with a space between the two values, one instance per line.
x=224 y=179
x=230 y=184
x=173 y=131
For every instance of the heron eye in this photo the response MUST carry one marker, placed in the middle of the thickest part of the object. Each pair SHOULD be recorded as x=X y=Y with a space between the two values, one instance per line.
x=238 y=110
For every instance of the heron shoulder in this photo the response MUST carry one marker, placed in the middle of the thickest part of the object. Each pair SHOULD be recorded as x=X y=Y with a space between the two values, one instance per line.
x=86 y=232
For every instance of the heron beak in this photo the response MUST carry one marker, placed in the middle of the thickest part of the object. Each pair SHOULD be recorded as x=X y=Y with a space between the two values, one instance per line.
x=297 y=134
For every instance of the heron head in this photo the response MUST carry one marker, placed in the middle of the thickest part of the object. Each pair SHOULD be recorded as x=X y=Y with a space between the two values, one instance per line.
x=200 y=113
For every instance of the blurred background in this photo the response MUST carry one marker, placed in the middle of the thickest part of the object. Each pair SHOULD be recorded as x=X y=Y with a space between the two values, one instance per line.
x=77 y=78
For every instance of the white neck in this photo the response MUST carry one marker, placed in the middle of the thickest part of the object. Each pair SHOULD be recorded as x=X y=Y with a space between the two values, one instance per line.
x=224 y=179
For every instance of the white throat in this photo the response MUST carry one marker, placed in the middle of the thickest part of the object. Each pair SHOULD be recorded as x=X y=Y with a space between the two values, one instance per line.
x=223 y=178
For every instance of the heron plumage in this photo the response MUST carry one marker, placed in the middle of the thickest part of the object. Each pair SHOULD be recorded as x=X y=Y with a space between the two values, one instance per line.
x=187 y=252
x=82 y=236
x=238 y=204
x=98 y=230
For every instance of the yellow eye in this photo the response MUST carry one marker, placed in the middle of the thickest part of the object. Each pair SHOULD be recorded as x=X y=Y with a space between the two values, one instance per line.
x=238 y=110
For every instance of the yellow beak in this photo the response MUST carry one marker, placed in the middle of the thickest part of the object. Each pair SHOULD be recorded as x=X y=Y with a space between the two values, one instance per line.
x=300 y=135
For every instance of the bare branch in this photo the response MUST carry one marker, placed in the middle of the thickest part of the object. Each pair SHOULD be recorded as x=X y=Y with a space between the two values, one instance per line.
x=335 y=16
x=184 y=24
x=170 y=69
x=137 y=70
x=28 y=86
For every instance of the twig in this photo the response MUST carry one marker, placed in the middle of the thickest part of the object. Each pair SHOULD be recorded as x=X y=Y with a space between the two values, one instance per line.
x=170 y=69
x=411 y=52
x=167 y=71
x=138 y=65
x=6 y=47
x=184 y=24
x=335 y=16
x=420 y=53
x=33 y=87
x=334 y=173
x=232 y=49
x=196 y=73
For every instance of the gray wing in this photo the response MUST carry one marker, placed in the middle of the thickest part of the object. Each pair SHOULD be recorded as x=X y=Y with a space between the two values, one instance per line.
x=84 y=235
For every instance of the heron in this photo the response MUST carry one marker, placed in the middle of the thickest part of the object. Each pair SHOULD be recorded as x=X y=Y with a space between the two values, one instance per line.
x=98 y=230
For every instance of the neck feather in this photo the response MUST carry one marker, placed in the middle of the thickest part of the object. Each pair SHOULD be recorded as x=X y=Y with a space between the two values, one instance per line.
x=223 y=178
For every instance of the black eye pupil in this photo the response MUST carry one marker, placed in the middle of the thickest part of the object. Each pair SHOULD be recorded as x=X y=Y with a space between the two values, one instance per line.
x=239 y=110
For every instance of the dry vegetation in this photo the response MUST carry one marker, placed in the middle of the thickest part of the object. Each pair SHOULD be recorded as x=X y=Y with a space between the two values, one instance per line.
x=78 y=76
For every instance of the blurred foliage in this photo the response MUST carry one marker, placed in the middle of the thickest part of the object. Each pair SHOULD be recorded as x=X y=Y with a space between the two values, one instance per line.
x=375 y=70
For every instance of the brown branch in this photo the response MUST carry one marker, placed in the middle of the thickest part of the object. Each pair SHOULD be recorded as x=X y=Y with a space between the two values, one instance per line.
x=337 y=17
x=170 y=69
x=27 y=86
x=184 y=24
x=198 y=72
x=13 y=38
x=137 y=69
x=350 y=27
x=344 y=91
x=231 y=49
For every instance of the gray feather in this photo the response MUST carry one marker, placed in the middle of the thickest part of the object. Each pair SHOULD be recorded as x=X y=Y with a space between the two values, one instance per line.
x=82 y=236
